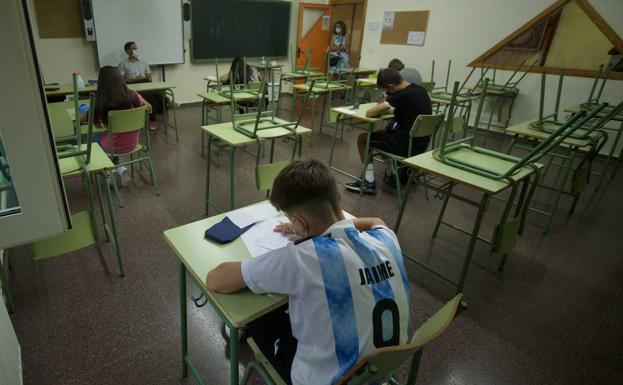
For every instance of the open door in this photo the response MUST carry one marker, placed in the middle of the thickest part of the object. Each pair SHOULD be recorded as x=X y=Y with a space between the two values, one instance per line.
x=314 y=31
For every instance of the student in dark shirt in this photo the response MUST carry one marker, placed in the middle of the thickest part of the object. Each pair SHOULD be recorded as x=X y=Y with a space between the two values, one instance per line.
x=406 y=101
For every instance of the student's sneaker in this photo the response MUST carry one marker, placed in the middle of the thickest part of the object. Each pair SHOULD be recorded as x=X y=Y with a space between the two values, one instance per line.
x=153 y=126
x=124 y=176
x=365 y=186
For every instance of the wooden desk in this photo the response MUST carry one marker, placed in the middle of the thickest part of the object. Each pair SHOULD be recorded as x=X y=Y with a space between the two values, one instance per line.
x=165 y=89
x=228 y=137
x=509 y=227
x=359 y=114
x=592 y=143
x=198 y=257
x=577 y=108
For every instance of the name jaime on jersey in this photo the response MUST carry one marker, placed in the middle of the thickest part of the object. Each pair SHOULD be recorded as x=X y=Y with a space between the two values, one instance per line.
x=375 y=274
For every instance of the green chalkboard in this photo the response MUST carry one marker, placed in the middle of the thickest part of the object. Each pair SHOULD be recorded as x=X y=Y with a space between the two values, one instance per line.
x=228 y=28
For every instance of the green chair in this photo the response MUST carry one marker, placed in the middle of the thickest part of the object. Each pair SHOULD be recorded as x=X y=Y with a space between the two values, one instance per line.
x=128 y=121
x=381 y=364
x=423 y=126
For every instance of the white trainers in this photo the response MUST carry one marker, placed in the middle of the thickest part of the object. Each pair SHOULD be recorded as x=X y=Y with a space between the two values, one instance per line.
x=124 y=176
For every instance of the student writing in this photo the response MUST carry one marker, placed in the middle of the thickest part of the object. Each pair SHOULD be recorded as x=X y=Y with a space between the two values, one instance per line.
x=334 y=315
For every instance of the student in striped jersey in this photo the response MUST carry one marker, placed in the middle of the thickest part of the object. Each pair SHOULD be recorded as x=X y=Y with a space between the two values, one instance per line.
x=345 y=279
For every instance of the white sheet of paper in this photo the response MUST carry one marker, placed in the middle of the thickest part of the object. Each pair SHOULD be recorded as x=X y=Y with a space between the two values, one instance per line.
x=374 y=27
x=416 y=37
x=261 y=238
x=252 y=214
x=388 y=20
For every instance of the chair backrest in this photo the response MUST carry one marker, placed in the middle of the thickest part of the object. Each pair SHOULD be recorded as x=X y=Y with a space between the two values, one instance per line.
x=379 y=364
x=124 y=121
x=426 y=125
x=68 y=151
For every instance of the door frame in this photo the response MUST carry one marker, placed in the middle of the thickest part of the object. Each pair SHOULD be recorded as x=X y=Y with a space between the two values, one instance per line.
x=365 y=9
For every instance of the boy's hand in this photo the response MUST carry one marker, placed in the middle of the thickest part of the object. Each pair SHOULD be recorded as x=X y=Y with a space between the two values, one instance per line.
x=288 y=230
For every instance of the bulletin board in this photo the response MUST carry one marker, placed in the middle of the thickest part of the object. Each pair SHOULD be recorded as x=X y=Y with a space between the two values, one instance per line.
x=59 y=18
x=408 y=28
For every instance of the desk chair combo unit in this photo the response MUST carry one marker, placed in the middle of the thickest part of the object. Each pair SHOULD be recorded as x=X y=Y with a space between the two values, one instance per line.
x=88 y=161
x=246 y=129
x=585 y=143
x=502 y=97
x=378 y=366
x=489 y=172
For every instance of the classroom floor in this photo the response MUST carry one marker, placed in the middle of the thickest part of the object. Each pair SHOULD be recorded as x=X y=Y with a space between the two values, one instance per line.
x=553 y=316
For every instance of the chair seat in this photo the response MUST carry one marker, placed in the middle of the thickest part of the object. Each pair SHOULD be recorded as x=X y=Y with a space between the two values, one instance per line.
x=79 y=236
x=486 y=162
x=139 y=147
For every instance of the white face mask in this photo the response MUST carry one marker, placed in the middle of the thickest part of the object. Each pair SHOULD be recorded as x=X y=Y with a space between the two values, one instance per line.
x=338 y=30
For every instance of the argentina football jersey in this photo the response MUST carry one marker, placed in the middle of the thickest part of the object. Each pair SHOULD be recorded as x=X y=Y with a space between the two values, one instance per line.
x=348 y=294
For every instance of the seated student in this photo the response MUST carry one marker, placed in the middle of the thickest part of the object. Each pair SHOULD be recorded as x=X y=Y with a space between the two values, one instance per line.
x=242 y=72
x=135 y=70
x=113 y=94
x=411 y=75
x=407 y=101
x=340 y=276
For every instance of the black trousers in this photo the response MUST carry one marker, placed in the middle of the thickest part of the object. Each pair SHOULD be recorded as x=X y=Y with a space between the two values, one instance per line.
x=273 y=335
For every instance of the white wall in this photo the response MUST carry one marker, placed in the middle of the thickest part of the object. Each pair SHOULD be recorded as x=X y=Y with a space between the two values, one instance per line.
x=462 y=30
x=60 y=57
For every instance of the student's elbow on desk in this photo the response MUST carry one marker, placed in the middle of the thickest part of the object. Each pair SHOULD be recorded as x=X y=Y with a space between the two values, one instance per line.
x=225 y=278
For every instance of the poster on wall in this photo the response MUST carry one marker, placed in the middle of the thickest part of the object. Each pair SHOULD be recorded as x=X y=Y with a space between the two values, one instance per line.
x=416 y=38
x=326 y=22
x=388 y=20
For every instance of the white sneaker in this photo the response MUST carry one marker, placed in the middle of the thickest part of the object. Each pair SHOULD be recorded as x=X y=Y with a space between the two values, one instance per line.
x=124 y=176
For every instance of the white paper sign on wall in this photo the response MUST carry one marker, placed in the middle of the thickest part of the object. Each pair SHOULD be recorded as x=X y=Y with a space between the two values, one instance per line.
x=388 y=20
x=416 y=37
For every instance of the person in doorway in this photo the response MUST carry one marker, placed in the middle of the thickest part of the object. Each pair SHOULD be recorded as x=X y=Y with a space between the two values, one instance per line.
x=135 y=70
x=407 y=101
x=338 y=51
x=340 y=276
x=409 y=74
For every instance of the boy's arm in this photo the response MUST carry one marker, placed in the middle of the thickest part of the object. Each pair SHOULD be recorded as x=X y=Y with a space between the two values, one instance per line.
x=380 y=109
x=226 y=278
x=364 y=224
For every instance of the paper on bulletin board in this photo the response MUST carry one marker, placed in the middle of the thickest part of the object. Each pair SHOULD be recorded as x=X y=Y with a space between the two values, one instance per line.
x=374 y=27
x=326 y=22
x=388 y=20
x=416 y=37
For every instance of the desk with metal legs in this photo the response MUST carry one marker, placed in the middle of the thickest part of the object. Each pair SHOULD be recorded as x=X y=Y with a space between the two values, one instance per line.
x=198 y=256
x=230 y=140
x=509 y=228
x=359 y=114
x=574 y=146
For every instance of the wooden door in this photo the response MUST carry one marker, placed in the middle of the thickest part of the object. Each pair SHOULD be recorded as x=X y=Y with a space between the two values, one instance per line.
x=314 y=31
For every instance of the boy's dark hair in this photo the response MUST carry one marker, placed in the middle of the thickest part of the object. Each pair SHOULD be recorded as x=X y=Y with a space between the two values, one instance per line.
x=388 y=76
x=396 y=64
x=127 y=46
x=305 y=185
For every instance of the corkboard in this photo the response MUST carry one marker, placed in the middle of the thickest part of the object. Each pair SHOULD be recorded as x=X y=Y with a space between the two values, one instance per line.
x=404 y=22
x=59 y=18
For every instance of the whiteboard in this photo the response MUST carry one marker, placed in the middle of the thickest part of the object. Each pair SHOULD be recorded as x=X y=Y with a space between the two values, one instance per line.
x=155 y=26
